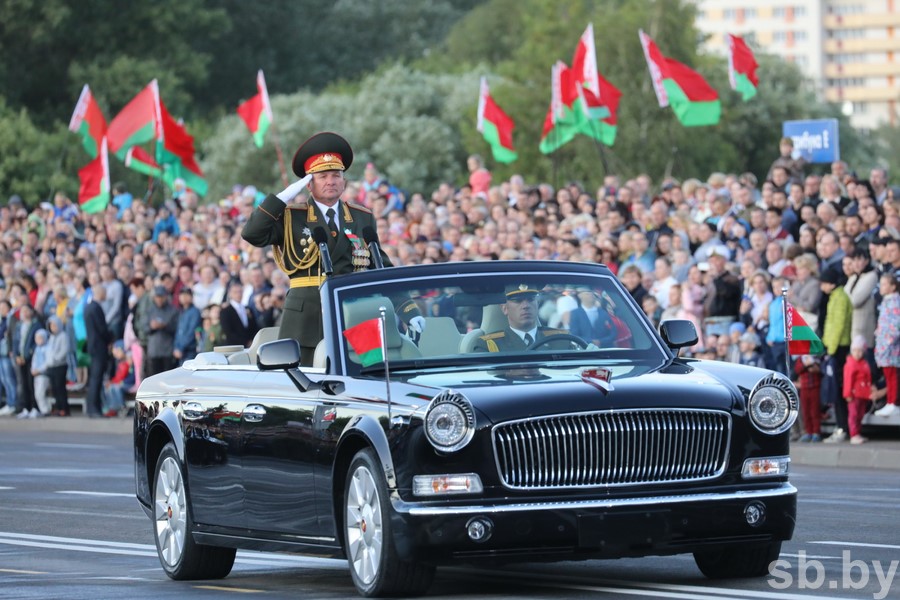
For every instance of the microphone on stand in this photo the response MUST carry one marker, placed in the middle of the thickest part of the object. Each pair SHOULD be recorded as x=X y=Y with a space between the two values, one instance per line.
x=321 y=238
x=371 y=239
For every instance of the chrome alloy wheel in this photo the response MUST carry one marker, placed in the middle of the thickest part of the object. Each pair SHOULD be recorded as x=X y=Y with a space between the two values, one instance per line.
x=365 y=534
x=171 y=518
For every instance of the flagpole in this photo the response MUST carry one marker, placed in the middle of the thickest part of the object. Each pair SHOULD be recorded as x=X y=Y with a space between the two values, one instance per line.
x=387 y=368
x=784 y=309
x=280 y=152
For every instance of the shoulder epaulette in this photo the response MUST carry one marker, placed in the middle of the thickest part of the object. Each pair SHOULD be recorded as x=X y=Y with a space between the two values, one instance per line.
x=299 y=206
x=359 y=207
x=494 y=336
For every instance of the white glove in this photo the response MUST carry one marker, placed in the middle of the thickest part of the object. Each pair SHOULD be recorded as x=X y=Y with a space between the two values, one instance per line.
x=291 y=191
x=417 y=324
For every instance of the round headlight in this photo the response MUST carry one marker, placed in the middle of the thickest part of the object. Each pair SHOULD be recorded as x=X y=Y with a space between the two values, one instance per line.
x=773 y=405
x=449 y=421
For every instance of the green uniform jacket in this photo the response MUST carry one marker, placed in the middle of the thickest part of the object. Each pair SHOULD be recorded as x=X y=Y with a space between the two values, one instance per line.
x=509 y=341
x=302 y=318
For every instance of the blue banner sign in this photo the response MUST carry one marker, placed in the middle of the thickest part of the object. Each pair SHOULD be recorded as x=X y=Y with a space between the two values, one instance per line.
x=816 y=140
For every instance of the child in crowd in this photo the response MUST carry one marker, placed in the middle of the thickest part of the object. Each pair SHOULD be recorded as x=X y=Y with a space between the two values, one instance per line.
x=857 y=388
x=748 y=345
x=119 y=382
x=39 y=371
x=887 y=342
x=735 y=332
x=809 y=384
x=652 y=309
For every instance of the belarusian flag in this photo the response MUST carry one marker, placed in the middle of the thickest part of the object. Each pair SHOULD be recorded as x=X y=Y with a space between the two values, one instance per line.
x=140 y=160
x=496 y=126
x=137 y=123
x=257 y=112
x=366 y=341
x=585 y=73
x=567 y=113
x=800 y=336
x=741 y=67
x=175 y=154
x=692 y=99
x=88 y=121
x=604 y=130
x=93 y=194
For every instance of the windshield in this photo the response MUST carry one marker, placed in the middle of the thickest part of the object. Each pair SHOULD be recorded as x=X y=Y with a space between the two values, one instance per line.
x=490 y=318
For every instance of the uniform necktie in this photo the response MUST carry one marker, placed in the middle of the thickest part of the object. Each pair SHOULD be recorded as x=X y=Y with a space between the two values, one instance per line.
x=330 y=217
x=528 y=339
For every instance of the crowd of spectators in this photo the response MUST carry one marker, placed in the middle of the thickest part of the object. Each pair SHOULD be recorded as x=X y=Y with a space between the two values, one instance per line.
x=100 y=301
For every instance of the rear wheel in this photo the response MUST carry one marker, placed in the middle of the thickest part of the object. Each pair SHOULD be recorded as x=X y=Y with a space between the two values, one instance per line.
x=374 y=566
x=179 y=555
x=750 y=560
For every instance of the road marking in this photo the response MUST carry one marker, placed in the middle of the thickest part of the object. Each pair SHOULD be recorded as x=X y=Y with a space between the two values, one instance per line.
x=21 y=572
x=6 y=487
x=108 y=494
x=222 y=588
x=809 y=556
x=858 y=544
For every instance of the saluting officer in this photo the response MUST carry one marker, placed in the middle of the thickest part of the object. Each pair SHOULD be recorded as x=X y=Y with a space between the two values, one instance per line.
x=521 y=309
x=320 y=162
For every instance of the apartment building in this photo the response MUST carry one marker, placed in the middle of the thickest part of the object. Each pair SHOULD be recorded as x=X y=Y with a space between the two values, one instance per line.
x=848 y=48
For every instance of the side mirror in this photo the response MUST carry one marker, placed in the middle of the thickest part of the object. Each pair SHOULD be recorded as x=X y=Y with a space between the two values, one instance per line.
x=277 y=355
x=678 y=333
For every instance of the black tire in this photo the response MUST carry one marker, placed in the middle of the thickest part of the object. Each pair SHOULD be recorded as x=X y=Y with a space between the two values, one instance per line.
x=374 y=566
x=733 y=562
x=181 y=558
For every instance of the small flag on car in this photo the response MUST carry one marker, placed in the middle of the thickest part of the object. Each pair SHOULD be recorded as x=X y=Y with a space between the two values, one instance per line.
x=366 y=340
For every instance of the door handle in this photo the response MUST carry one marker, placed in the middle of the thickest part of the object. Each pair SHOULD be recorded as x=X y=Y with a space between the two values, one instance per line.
x=254 y=413
x=192 y=411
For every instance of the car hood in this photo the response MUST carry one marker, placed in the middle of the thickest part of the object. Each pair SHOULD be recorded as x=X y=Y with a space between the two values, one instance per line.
x=511 y=393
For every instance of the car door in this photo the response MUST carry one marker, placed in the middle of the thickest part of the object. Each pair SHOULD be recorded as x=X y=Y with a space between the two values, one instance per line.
x=278 y=449
x=213 y=403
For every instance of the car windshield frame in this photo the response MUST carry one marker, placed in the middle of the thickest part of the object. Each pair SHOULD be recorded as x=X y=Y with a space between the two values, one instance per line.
x=493 y=284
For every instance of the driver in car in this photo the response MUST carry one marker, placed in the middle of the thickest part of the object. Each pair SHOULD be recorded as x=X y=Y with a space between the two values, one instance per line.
x=524 y=330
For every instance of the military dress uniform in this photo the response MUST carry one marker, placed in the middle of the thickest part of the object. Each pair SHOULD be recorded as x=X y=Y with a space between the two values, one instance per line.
x=508 y=340
x=289 y=230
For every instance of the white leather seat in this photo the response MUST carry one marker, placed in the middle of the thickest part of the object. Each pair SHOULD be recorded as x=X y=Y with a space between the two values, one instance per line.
x=320 y=358
x=440 y=337
x=364 y=309
x=265 y=335
x=492 y=319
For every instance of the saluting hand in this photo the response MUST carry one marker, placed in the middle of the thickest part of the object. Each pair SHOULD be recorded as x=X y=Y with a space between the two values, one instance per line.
x=291 y=191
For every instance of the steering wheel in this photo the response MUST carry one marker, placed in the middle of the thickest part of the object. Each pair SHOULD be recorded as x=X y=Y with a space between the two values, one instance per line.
x=559 y=337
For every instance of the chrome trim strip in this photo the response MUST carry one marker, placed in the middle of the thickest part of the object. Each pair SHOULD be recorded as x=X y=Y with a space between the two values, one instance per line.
x=646 y=446
x=785 y=489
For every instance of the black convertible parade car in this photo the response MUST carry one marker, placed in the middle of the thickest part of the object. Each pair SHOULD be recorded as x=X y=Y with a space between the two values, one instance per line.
x=538 y=417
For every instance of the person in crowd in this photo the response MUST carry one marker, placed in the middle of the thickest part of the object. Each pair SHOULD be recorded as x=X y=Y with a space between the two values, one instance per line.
x=39 y=373
x=122 y=378
x=857 y=388
x=887 y=342
x=808 y=371
x=187 y=330
x=723 y=295
x=98 y=339
x=23 y=351
x=748 y=346
x=163 y=322
x=8 y=379
x=591 y=322
x=836 y=338
x=238 y=324
x=57 y=365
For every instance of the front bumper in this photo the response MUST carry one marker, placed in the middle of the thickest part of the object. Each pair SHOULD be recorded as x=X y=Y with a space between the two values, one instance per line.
x=601 y=528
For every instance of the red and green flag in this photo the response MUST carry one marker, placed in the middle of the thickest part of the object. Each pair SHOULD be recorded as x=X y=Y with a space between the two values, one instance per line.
x=693 y=100
x=604 y=129
x=741 y=67
x=567 y=114
x=141 y=161
x=257 y=112
x=137 y=123
x=585 y=74
x=88 y=121
x=366 y=340
x=175 y=154
x=93 y=193
x=800 y=337
x=496 y=126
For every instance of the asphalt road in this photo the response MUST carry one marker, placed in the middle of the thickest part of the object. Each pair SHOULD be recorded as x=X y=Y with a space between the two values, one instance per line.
x=71 y=529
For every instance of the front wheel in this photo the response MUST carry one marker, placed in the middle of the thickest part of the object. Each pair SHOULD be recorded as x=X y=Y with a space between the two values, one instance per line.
x=179 y=556
x=733 y=562
x=374 y=566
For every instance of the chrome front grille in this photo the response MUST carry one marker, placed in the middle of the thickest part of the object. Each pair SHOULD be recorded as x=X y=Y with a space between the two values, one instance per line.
x=622 y=447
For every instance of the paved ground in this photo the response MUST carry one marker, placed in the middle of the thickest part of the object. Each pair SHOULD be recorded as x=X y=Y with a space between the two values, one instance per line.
x=881 y=452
